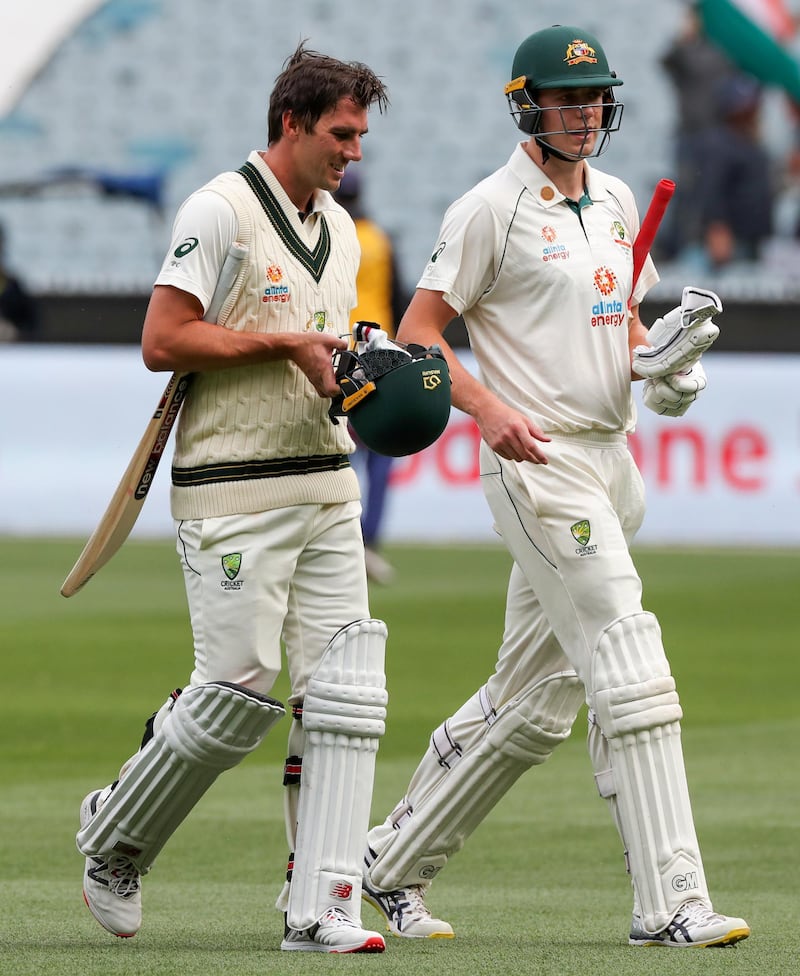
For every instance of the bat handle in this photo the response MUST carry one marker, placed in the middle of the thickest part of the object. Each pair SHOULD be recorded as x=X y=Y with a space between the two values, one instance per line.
x=227 y=276
x=649 y=227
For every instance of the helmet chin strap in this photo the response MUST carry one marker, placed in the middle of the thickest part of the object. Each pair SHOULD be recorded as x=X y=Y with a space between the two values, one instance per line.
x=548 y=151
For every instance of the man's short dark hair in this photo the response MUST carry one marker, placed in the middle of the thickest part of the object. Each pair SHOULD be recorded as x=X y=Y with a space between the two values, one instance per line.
x=312 y=84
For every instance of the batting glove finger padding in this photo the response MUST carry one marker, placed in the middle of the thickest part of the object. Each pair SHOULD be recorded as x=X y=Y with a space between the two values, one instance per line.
x=691 y=380
x=671 y=396
x=681 y=337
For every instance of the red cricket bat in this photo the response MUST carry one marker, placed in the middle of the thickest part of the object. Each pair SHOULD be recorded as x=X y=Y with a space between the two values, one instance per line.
x=126 y=503
x=647 y=232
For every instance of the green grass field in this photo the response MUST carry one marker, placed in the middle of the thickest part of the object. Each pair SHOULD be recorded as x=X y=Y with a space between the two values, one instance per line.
x=539 y=889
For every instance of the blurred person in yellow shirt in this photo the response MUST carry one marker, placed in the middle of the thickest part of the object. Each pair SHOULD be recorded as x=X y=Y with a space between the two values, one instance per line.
x=381 y=300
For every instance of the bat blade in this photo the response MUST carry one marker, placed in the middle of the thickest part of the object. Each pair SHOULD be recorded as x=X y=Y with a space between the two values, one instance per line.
x=126 y=503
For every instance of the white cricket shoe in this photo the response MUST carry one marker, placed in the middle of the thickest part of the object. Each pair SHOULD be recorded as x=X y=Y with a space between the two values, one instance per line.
x=334 y=932
x=695 y=925
x=406 y=913
x=111 y=886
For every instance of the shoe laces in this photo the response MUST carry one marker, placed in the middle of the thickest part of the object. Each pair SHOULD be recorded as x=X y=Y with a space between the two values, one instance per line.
x=338 y=918
x=408 y=902
x=696 y=911
x=123 y=877
x=415 y=902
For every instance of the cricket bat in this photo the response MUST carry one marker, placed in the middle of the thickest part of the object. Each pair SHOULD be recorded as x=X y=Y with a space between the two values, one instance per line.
x=126 y=503
x=649 y=226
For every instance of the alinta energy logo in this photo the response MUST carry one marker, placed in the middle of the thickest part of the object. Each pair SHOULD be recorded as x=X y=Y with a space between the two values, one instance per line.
x=552 y=251
x=607 y=311
x=605 y=281
x=275 y=291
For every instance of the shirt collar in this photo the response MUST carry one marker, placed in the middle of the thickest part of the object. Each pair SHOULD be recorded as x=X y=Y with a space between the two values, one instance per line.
x=547 y=194
x=321 y=200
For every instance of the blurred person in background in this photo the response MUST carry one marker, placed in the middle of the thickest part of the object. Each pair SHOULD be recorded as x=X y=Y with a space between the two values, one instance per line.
x=788 y=202
x=737 y=180
x=19 y=311
x=695 y=67
x=381 y=300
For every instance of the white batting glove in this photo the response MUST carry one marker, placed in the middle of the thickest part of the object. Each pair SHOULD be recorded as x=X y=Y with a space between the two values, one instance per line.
x=681 y=337
x=671 y=396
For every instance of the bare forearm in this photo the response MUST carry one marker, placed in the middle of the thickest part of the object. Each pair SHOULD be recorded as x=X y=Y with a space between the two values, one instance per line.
x=424 y=323
x=466 y=391
x=199 y=346
x=505 y=430
x=637 y=336
x=175 y=337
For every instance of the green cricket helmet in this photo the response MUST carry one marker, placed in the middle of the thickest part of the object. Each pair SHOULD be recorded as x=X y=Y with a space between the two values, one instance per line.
x=397 y=398
x=561 y=57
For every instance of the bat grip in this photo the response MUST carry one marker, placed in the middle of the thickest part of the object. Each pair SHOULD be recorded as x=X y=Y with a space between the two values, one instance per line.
x=227 y=277
x=650 y=224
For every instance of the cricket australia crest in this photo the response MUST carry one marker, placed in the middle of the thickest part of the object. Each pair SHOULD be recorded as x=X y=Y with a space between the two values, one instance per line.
x=582 y=533
x=231 y=564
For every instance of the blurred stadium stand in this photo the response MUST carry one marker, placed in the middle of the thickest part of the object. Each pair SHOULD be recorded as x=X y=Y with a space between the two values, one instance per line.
x=144 y=100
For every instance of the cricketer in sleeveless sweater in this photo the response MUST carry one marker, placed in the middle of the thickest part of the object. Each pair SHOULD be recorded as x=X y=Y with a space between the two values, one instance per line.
x=258 y=437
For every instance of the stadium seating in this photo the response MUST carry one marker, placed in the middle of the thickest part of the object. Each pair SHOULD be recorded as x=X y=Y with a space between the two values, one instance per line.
x=180 y=89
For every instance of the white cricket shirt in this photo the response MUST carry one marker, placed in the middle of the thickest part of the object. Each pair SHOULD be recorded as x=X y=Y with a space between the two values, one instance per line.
x=544 y=293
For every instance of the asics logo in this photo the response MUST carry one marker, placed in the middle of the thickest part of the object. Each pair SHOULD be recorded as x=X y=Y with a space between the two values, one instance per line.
x=186 y=247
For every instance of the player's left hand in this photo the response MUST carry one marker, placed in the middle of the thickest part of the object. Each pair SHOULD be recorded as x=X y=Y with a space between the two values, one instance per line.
x=680 y=338
x=671 y=396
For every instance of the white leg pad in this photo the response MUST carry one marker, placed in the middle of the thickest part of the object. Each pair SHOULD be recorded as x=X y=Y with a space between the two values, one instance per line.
x=344 y=713
x=211 y=727
x=459 y=782
x=152 y=727
x=638 y=712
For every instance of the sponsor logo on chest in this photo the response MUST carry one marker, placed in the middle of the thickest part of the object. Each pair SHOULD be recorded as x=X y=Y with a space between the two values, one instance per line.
x=276 y=290
x=552 y=250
